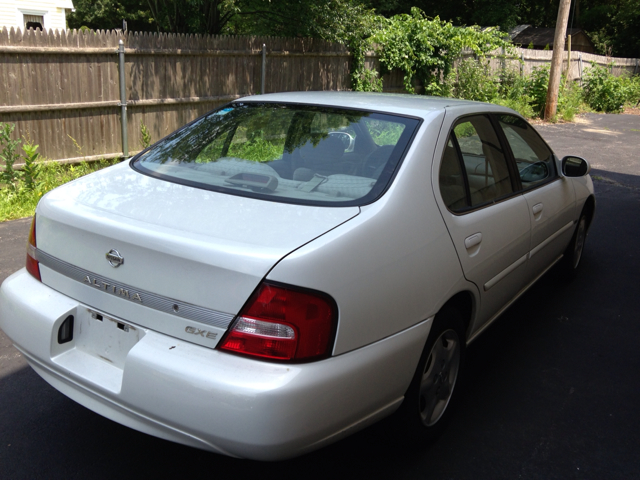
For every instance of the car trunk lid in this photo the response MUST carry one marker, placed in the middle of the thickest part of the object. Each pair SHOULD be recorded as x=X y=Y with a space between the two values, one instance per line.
x=187 y=253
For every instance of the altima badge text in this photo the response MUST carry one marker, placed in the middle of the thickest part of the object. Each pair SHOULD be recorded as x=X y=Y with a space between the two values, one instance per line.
x=114 y=258
x=114 y=289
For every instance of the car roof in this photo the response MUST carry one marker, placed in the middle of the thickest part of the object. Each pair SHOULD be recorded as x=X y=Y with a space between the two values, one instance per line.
x=404 y=104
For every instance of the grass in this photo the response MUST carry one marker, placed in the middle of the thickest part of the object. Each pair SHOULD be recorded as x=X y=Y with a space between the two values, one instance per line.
x=21 y=202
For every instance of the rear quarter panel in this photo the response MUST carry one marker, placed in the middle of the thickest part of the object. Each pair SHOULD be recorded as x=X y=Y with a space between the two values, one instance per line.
x=390 y=267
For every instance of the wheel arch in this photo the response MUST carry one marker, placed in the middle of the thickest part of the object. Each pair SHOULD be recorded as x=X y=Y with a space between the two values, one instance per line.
x=465 y=303
x=589 y=209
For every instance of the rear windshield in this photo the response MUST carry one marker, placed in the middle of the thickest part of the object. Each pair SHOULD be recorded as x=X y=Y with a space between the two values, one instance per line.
x=287 y=153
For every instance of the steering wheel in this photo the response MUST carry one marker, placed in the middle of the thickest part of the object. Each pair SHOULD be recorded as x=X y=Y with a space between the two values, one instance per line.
x=534 y=172
x=375 y=160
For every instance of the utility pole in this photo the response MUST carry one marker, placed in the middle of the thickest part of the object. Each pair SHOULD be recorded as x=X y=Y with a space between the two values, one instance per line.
x=551 y=106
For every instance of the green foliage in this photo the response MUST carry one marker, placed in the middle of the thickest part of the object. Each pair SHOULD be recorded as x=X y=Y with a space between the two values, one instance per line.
x=604 y=92
x=145 y=136
x=384 y=133
x=527 y=95
x=537 y=87
x=186 y=16
x=31 y=169
x=257 y=149
x=520 y=105
x=9 y=176
x=350 y=23
x=475 y=81
x=613 y=26
x=425 y=48
x=21 y=201
x=570 y=100
x=633 y=90
x=367 y=81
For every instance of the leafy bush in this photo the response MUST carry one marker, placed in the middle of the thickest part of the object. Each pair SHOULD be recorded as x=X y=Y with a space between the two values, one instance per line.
x=475 y=81
x=31 y=170
x=21 y=201
x=603 y=92
x=520 y=105
x=368 y=81
x=570 y=100
x=9 y=176
x=633 y=90
x=426 y=49
x=537 y=87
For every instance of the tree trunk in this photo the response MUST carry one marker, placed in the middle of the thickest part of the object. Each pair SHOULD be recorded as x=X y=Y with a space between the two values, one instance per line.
x=551 y=106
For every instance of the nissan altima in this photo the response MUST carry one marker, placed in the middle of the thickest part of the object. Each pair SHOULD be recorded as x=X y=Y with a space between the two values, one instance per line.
x=290 y=268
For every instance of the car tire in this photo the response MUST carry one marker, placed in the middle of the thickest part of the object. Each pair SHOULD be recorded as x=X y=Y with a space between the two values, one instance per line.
x=437 y=380
x=575 y=249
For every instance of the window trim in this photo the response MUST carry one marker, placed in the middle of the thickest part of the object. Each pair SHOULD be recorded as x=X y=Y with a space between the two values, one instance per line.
x=512 y=158
x=28 y=11
x=518 y=188
x=508 y=158
x=378 y=192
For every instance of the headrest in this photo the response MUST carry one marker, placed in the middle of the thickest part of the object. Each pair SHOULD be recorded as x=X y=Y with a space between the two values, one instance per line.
x=450 y=163
x=328 y=150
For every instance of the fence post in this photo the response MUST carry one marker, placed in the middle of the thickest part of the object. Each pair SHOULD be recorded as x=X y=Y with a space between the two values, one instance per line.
x=580 y=66
x=123 y=102
x=521 y=64
x=568 y=58
x=263 y=73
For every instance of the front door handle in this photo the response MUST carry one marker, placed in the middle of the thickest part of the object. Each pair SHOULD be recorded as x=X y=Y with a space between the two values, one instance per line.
x=537 y=208
x=472 y=240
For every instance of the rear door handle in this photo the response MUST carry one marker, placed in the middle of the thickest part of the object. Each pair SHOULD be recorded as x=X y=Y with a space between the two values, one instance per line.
x=537 y=208
x=472 y=240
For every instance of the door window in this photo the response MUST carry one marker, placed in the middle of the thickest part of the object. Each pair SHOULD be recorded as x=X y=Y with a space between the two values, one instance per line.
x=533 y=158
x=473 y=148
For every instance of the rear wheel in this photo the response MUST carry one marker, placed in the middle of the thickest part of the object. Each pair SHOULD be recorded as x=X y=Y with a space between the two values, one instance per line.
x=436 y=382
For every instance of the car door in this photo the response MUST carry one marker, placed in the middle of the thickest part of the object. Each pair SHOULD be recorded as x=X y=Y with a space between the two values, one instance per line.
x=550 y=197
x=487 y=219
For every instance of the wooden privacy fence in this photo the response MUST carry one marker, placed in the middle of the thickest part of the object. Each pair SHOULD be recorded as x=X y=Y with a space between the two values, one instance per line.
x=526 y=60
x=62 y=89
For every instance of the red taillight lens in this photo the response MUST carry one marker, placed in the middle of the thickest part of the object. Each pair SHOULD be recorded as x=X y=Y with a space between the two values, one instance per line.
x=32 y=264
x=283 y=323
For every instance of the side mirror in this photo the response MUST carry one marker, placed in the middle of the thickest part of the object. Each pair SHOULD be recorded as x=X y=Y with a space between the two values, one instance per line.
x=575 y=166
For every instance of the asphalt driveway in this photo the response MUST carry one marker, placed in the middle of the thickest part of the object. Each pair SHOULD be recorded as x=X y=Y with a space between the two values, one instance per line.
x=553 y=387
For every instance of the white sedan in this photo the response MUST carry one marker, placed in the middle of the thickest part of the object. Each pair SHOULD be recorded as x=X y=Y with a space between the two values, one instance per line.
x=293 y=267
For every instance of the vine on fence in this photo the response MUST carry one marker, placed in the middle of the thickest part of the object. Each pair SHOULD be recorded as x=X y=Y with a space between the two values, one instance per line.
x=425 y=49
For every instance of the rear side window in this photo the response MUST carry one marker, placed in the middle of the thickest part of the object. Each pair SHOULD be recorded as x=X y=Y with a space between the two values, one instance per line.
x=474 y=169
x=289 y=153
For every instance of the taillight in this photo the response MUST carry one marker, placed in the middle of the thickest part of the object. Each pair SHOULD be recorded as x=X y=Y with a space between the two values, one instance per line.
x=32 y=264
x=284 y=323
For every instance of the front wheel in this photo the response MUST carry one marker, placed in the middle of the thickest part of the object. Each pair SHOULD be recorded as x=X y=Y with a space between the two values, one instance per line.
x=436 y=382
x=573 y=254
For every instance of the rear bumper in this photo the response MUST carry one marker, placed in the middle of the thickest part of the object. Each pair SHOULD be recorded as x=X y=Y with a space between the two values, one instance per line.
x=205 y=398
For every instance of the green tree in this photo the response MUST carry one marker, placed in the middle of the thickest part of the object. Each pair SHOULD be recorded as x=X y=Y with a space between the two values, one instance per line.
x=108 y=15
x=614 y=26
